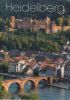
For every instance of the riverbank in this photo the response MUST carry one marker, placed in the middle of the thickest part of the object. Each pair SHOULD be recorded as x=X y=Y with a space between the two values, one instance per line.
x=60 y=85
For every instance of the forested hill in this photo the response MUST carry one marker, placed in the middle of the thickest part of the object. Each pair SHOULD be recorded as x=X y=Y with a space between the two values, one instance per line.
x=8 y=13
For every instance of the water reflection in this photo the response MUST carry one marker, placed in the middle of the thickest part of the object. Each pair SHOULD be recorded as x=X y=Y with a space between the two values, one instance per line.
x=14 y=88
x=27 y=86
x=45 y=93
x=51 y=93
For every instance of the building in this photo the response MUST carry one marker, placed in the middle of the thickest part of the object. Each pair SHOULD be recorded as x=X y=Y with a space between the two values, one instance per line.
x=63 y=69
x=67 y=70
x=17 y=67
x=30 y=24
x=12 y=23
x=12 y=67
x=36 y=24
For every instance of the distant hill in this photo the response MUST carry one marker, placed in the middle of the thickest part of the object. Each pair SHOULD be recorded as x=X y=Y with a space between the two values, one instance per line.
x=8 y=13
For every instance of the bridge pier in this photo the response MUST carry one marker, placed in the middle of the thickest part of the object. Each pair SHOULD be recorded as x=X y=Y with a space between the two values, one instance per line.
x=51 y=80
x=6 y=89
x=36 y=84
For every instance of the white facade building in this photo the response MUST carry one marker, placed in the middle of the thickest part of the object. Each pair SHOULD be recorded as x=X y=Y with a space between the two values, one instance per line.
x=17 y=67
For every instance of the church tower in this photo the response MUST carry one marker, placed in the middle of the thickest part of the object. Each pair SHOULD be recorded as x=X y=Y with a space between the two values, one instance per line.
x=47 y=24
x=12 y=23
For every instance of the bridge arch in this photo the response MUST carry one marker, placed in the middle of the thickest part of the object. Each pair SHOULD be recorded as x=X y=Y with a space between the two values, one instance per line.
x=21 y=82
x=2 y=88
x=14 y=87
x=50 y=80
x=42 y=82
x=31 y=82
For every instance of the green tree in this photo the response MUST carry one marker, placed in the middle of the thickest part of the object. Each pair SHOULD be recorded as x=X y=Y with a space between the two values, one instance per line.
x=32 y=96
x=7 y=21
x=7 y=24
x=1 y=23
x=59 y=21
x=68 y=21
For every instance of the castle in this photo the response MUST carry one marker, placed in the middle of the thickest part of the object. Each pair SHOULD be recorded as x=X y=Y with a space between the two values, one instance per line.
x=36 y=24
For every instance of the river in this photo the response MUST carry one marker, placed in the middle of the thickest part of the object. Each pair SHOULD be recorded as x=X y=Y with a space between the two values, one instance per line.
x=46 y=93
x=51 y=93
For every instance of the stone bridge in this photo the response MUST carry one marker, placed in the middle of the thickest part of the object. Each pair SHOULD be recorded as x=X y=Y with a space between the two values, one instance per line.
x=21 y=82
